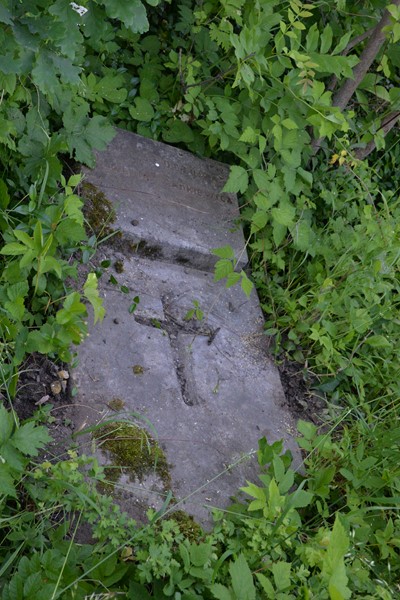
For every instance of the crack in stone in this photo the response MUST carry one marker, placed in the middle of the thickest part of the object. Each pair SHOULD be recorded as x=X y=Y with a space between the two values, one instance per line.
x=173 y=327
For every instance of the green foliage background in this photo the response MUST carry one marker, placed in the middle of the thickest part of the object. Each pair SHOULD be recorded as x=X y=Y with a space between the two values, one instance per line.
x=251 y=83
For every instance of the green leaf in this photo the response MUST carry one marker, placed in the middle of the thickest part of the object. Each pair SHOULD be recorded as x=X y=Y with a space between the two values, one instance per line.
x=131 y=13
x=200 y=554
x=284 y=214
x=6 y=425
x=90 y=290
x=289 y=124
x=142 y=110
x=7 y=487
x=30 y=438
x=222 y=269
x=177 y=131
x=4 y=195
x=224 y=252
x=326 y=39
x=221 y=592
x=13 y=249
x=281 y=572
x=73 y=208
x=238 y=180
x=334 y=569
x=242 y=579
x=266 y=586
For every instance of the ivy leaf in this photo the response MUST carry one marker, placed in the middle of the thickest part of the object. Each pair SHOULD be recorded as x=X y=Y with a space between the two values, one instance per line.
x=238 y=181
x=29 y=438
x=131 y=13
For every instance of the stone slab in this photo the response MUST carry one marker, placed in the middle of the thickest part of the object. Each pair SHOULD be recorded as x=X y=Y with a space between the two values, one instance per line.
x=206 y=389
x=168 y=201
x=208 y=401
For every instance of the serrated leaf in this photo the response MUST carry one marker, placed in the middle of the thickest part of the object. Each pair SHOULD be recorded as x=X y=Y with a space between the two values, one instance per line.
x=281 y=572
x=30 y=438
x=232 y=279
x=242 y=579
x=73 y=208
x=249 y=136
x=247 y=285
x=259 y=220
x=221 y=592
x=7 y=487
x=238 y=180
x=284 y=214
x=131 y=13
x=222 y=269
x=224 y=252
x=90 y=290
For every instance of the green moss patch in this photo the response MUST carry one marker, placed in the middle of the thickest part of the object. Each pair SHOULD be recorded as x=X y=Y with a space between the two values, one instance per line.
x=133 y=451
x=98 y=210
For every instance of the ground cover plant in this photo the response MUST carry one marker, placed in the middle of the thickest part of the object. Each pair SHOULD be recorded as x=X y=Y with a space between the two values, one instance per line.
x=303 y=101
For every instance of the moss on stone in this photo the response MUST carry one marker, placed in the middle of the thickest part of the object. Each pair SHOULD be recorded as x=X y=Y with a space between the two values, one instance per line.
x=116 y=404
x=187 y=525
x=98 y=210
x=133 y=451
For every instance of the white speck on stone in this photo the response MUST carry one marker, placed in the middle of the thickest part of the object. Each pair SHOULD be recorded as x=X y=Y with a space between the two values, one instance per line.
x=157 y=164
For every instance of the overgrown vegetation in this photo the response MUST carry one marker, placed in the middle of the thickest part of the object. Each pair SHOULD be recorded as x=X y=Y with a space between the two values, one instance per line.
x=303 y=101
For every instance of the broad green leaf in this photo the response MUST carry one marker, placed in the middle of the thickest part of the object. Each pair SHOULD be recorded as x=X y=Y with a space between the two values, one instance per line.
x=326 y=39
x=142 y=110
x=222 y=269
x=333 y=569
x=247 y=285
x=177 y=131
x=7 y=487
x=4 y=195
x=220 y=592
x=200 y=554
x=266 y=586
x=284 y=214
x=281 y=572
x=232 y=279
x=242 y=579
x=30 y=438
x=23 y=237
x=6 y=425
x=73 y=208
x=224 y=252
x=13 y=249
x=131 y=13
x=259 y=220
x=249 y=136
x=289 y=124
x=238 y=180
x=90 y=290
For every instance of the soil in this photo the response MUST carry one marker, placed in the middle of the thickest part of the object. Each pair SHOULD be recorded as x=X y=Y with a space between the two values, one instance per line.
x=46 y=384
x=303 y=403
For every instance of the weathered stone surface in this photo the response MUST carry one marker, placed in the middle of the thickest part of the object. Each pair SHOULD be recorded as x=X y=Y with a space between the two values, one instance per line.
x=206 y=389
x=169 y=200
